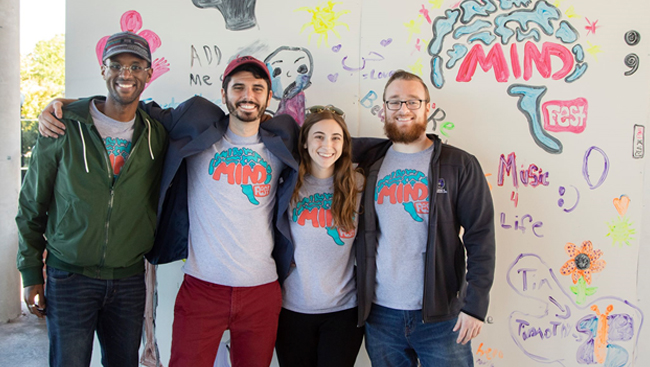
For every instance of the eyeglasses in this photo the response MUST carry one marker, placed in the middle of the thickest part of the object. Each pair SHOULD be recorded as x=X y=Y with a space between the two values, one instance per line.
x=329 y=107
x=411 y=104
x=133 y=69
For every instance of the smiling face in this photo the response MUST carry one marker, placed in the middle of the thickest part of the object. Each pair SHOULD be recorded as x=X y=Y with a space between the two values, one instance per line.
x=404 y=125
x=291 y=70
x=246 y=97
x=125 y=87
x=325 y=145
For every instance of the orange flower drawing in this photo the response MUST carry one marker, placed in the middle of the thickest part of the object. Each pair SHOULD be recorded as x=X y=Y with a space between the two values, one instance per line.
x=583 y=262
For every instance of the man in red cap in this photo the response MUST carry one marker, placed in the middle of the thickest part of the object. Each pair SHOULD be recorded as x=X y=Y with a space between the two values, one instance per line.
x=227 y=177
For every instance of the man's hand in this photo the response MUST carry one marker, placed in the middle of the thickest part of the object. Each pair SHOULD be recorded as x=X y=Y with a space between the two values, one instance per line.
x=469 y=328
x=29 y=294
x=48 y=125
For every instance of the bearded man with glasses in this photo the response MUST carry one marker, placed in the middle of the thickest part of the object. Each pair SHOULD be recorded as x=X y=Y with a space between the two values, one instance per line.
x=423 y=291
x=89 y=198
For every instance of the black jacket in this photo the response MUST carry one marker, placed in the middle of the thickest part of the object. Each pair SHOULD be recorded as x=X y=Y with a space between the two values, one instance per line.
x=451 y=284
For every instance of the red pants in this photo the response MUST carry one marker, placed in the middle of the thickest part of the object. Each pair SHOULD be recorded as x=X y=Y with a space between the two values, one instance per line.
x=203 y=311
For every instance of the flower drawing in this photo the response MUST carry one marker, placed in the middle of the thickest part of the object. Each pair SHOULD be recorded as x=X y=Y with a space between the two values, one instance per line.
x=582 y=264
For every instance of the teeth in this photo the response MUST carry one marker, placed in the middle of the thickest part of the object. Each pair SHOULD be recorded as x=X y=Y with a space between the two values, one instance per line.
x=124 y=85
x=247 y=106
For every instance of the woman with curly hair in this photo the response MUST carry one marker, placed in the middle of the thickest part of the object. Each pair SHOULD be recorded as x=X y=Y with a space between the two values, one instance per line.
x=318 y=321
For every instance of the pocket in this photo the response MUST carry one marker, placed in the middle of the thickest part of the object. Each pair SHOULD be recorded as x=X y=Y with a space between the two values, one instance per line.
x=58 y=275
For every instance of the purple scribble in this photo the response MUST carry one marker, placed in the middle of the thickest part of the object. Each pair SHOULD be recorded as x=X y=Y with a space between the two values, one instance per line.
x=333 y=77
x=585 y=168
x=567 y=312
x=376 y=57
x=386 y=42
x=548 y=334
x=561 y=201
x=336 y=48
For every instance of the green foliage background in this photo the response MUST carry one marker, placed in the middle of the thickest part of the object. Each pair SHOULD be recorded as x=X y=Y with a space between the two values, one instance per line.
x=42 y=78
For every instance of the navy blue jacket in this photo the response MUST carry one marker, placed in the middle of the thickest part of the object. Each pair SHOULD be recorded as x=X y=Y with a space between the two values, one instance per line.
x=194 y=126
x=462 y=199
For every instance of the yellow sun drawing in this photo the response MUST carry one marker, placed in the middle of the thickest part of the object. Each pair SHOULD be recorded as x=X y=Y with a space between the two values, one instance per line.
x=416 y=68
x=621 y=231
x=593 y=50
x=436 y=4
x=324 y=19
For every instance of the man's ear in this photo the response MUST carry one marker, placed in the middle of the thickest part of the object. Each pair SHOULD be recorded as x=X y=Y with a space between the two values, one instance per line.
x=149 y=74
x=270 y=97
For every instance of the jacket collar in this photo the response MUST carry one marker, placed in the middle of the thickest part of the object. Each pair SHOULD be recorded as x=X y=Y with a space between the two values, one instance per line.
x=218 y=128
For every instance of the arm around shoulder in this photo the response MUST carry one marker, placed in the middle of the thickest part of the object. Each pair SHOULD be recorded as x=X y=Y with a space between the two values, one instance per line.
x=48 y=123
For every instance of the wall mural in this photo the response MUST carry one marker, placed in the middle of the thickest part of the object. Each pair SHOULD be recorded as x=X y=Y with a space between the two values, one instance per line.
x=545 y=93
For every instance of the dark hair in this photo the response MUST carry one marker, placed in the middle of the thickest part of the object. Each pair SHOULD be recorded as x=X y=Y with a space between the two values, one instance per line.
x=346 y=187
x=257 y=72
x=405 y=75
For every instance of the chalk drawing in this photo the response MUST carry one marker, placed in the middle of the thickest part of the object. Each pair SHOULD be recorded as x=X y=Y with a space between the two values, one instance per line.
x=555 y=329
x=238 y=14
x=132 y=21
x=323 y=20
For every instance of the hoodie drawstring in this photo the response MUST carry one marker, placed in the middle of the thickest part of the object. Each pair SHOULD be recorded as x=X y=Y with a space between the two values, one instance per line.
x=83 y=143
x=149 y=128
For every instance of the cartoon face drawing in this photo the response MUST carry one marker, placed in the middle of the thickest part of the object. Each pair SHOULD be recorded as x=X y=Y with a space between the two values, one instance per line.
x=291 y=69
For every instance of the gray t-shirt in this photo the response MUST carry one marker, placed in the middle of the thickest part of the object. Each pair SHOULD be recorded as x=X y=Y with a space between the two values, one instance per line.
x=231 y=196
x=402 y=207
x=117 y=137
x=323 y=277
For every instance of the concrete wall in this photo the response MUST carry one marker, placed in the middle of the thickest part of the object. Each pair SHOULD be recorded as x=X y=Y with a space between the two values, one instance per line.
x=9 y=156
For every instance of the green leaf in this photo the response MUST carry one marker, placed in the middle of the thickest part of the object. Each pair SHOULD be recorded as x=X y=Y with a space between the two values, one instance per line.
x=591 y=290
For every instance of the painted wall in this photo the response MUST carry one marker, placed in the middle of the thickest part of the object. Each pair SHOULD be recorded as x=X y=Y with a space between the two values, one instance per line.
x=552 y=98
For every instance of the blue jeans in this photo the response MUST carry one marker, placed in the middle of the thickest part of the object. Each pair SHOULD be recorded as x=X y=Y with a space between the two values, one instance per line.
x=77 y=306
x=396 y=338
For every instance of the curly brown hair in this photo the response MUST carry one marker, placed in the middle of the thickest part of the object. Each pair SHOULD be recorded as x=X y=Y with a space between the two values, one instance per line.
x=346 y=187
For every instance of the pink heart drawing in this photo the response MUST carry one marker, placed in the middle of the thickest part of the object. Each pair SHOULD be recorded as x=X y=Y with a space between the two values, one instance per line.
x=332 y=77
x=386 y=42
x=336 y=48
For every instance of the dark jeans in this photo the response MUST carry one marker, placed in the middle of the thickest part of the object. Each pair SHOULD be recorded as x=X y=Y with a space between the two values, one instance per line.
x=318 y=340
x=397 y=338
x=77 y=306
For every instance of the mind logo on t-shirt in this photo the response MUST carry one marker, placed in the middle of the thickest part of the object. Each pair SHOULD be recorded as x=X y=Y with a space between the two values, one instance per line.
x=118 y=152
x=408 y=187
x=317 y=209
x=244 y=167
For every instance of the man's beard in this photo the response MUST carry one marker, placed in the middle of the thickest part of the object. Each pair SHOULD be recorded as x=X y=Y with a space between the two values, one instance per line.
x=248 y=117
x=405 y=135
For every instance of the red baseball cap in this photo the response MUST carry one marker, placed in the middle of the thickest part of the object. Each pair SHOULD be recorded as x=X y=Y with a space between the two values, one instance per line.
x=243 y=61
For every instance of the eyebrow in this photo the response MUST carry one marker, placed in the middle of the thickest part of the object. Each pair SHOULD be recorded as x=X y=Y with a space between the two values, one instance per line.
x=277 y=61
x=320 y=132
x=254 y=84
x=298 y=59
x=408 y=97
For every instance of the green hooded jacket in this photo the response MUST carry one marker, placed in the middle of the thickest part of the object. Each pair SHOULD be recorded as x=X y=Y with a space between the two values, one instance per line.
x=71 y=204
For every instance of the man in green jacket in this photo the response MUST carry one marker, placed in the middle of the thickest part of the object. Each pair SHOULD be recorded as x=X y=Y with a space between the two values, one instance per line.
x=89 y=198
